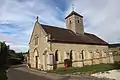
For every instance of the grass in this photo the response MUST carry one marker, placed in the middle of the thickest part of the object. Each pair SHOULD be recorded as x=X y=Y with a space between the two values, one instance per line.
x=85 y=69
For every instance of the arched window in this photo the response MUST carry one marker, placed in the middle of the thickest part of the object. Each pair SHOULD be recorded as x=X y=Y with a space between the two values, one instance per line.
x=70 y=21
x=82 y=54
x=36 y=41
x=71 y=57
x=56 y=55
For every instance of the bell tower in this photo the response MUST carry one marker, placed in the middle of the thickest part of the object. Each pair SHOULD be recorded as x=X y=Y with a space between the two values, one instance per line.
x=74 y=22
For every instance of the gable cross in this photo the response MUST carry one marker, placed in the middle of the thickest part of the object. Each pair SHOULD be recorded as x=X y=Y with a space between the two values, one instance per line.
x=37 y=18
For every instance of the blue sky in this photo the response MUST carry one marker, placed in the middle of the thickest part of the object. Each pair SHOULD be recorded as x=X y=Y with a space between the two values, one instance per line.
x=17 y=18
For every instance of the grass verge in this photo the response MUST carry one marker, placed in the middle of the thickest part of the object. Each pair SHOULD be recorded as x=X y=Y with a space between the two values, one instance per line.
x=86 y=69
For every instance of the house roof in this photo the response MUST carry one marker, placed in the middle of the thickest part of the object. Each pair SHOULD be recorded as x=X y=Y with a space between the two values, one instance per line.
x=73 y=12
x=114 y=45
x=62 y=35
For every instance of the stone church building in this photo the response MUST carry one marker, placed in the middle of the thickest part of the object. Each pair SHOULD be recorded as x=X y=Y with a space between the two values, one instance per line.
x=49 y=45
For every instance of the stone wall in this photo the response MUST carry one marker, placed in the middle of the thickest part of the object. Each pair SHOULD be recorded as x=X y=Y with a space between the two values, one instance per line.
x=40 y=48
x=116 y=58
x=93 y=54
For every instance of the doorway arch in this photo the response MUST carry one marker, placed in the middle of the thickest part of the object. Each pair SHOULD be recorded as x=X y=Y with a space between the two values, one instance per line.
x=36 y=58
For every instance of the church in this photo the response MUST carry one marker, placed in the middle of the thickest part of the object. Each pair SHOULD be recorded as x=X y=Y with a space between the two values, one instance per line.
x=50 y=46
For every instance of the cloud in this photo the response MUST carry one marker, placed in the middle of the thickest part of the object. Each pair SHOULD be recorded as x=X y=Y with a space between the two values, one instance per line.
x=17 y=18
x=101 y=17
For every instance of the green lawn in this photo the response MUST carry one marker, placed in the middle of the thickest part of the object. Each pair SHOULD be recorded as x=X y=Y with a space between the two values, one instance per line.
x=85 y=69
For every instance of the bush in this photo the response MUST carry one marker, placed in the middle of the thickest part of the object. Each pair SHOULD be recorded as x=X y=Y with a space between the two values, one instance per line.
x=14 y=61
x=116 y=65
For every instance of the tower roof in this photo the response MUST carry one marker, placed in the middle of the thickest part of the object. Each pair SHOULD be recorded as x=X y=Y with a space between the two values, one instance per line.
x=75 y=13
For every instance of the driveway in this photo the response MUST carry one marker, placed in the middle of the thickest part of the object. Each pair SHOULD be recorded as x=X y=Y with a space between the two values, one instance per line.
x=14 y=74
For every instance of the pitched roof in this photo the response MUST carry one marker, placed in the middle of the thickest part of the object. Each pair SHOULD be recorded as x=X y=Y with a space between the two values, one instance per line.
x=73 y=12
x=67 y=36
x=114 y=45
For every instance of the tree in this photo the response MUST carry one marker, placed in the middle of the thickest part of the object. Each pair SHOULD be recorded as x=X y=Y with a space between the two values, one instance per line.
x=12 y=54
x=4 y=50
x=20 y=56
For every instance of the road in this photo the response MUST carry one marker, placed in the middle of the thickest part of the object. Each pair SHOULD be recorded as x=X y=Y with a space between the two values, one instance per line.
x=14 y=74
x=21 y=72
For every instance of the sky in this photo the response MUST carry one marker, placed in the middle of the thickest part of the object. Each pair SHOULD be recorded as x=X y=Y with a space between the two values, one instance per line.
x=17 y=18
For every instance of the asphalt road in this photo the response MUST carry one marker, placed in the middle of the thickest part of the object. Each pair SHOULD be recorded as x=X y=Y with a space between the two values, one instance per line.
x=14 y=74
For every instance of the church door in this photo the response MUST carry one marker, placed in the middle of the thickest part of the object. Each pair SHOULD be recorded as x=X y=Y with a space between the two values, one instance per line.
x=36 y=60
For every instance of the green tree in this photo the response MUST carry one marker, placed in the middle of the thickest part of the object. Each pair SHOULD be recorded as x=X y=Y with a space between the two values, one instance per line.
x=4 y=50
x=3 y=55
x=12 y=54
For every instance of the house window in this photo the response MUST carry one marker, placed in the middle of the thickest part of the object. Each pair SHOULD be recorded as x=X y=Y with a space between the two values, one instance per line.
x=71 y=55
x=56 y=55
x=36 y=41
x=78 y=21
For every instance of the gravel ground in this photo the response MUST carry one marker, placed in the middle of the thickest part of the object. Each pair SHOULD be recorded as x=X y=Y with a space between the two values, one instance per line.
x=114 y=74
